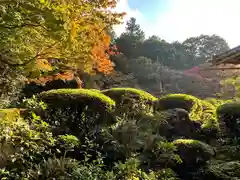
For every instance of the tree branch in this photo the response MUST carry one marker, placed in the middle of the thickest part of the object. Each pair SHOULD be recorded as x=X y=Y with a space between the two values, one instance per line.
x=14 y=65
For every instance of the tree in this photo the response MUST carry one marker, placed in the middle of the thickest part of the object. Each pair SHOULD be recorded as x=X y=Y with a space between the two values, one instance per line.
x=204 y=46
x=182 y=58
x=68 y=30
x=130 y=40
x=158 y=50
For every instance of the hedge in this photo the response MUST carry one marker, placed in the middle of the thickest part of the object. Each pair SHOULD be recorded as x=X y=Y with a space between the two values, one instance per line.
x=183 y=101
x=198 y=109
x=75 y=110
x=193 y=151
x=130 y=99
x=65 y=97
x=229 y=117
x=118 y=93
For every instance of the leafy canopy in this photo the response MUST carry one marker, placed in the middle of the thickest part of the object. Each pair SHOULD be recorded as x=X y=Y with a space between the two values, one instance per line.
x=67 y=30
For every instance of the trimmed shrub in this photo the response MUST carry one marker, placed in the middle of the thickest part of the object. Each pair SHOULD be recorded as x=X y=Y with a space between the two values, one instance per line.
x=183 y=101
x=130 y=100
x=193 y=151
x=175 y=120
x=118 y=93
x=229 y=118
x=77 y=109
x=199 y=110
x=65 y=97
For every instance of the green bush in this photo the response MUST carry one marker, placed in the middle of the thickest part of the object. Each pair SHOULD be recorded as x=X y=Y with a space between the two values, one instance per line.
x=223 y=171
x=175 y=120
x=193 y=151
x=23 y=145
x=159 y=154
x=65 y=97
x=130 y=100
x=183 y=101
x=118 y=93
x=229 y=108
x=198 y=109
x=229 y=118
x=77 y=110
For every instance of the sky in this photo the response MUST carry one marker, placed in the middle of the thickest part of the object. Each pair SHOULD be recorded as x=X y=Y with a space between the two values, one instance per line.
x=176 y=20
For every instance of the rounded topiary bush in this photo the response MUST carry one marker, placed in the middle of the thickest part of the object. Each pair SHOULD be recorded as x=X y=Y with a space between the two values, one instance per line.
x=75 y=109
x=183 y=101
x=130 y=99
x=65 y=97
x=199 y=110
x=173 y=121
x=194 y=151
x=229 y=118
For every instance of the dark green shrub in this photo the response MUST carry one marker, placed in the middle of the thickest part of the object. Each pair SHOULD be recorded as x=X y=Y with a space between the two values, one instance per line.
x=175 y=120
x=193 y=151
x=222 y=171
x=130 y=100
x=199 y=110
x=183 y=101
x=159 y=154
x=229 y=118
x=77 y=110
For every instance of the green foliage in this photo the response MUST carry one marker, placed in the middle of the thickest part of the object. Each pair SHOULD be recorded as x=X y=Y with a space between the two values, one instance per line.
x=229 y=108
x=204 y=46
x=184 y=101
x=40 y=29
x=228 y=115
x=22 y=145
x=192 y=52
x=64 y=97
x=117 y=93
x=34 y=104
x=77 y=111
x=130 y=100
x=68 y=141
x=130 y=40
x=193 y=151
x=223 y=171
x=198 y=110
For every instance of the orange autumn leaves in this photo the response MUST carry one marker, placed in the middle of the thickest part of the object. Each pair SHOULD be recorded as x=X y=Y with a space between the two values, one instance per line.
x=100 y=55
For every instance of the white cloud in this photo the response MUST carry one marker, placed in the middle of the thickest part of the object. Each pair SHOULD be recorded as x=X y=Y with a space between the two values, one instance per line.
x=123 y=6
x=187 y=18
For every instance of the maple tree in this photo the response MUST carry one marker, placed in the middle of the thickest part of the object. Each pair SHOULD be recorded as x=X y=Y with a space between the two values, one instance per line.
x=72 y=31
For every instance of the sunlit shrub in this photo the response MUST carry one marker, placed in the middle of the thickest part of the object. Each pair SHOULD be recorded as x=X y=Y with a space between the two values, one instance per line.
x=198 y=109
x=193 y=151
x=77 y=109
x=130 y=100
